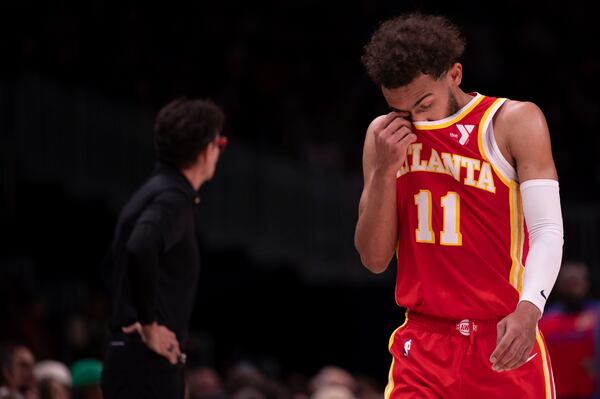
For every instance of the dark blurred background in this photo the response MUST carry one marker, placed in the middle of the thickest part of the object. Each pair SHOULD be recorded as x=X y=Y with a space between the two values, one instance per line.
x=281 y=285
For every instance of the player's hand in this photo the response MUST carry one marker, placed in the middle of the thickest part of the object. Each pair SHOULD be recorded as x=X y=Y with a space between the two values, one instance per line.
x=393 y=134
x=516 y=337
x=158 y=338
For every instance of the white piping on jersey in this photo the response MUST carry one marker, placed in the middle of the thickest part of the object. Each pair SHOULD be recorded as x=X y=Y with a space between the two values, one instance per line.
x=448 y=118
x=492 y=151
x=531 y=357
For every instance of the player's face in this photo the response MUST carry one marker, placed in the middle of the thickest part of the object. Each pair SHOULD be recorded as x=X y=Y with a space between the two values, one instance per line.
x=425 y=98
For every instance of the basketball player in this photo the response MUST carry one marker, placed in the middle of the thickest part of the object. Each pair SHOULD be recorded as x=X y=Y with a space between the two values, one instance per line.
x=463 y=188
x=153 y=264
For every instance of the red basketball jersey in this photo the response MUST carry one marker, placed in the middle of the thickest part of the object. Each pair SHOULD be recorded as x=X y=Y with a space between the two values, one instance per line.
x=462 y=238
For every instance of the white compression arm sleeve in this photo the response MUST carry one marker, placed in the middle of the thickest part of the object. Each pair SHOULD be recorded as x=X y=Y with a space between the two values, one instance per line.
x=541 y=208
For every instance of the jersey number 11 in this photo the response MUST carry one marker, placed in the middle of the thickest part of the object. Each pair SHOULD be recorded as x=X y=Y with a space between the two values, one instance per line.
x=450 y=204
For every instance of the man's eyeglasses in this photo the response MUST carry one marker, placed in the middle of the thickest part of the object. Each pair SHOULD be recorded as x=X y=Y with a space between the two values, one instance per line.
x=221 y=142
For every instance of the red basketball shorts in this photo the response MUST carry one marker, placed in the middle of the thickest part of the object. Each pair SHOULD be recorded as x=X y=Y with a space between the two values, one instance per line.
x=442 y=359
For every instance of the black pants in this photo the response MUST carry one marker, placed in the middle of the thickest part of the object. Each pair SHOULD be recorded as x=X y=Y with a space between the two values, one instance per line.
x=132 y=370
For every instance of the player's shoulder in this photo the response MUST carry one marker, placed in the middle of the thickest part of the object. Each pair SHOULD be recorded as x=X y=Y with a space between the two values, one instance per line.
x=515 y=112
x=518 y=118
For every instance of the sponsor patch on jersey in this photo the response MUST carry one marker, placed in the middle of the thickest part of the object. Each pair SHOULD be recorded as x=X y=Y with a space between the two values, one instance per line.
x=465 y=133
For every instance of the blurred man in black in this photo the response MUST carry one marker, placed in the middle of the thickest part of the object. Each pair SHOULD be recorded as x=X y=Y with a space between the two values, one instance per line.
x=153 y=264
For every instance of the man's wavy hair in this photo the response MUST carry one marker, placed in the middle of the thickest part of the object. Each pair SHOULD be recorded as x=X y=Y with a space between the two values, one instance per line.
x=409 y=45
x=184 y=128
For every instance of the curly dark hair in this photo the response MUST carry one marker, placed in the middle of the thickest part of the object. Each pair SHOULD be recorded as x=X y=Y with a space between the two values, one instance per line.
x=184 y=127
x=408 y=45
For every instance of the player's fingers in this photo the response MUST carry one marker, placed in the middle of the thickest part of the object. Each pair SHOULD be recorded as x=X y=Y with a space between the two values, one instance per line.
x=500 y=352
x=400 y=122
x=389 y=130
x=520 y=355
x=526 y=356
x=406 y=141
x=399 y=134
x=405 y=116
x=500 y=331
x=382 y=123
x=513 y=354
x=409 y=139
x=521 y=361
x=507 y=358
x=391 y=116
x=396 y=124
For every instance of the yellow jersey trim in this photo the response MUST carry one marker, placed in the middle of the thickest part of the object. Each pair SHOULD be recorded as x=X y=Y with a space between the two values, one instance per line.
x=517 y=234
x=390 y=385
x=432 y=125
x=547 y=372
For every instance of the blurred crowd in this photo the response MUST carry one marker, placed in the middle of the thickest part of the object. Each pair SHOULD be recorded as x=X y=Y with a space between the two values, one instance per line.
x=22 y=377
x=53 y=337
x=571 y=325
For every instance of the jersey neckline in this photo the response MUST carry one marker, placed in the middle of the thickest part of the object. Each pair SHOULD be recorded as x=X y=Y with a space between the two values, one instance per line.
x=452 y=119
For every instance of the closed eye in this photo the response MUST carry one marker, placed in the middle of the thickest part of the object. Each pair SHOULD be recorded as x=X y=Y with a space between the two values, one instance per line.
x=424 y=107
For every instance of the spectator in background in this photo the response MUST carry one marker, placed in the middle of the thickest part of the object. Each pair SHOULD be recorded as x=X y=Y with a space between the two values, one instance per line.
x=368 y=388
x=17 y=363
x=333 y=392
x=204 y=383
x=571 y=327
x=53 y=379
x=245 y=380
x=333 y=382
x=86 y=374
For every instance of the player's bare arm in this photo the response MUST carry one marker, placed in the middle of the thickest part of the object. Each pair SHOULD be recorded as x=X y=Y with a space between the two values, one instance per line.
x=522 y=135
x=376 y=235
x=521 y=132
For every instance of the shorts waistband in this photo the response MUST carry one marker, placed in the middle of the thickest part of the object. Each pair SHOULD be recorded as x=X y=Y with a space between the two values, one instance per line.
x=449 y=326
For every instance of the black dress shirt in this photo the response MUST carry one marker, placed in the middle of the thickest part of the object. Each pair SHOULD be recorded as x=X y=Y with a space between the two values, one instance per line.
x=153 y=265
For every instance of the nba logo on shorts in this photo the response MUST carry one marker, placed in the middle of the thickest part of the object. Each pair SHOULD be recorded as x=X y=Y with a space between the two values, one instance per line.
x=406 y=347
